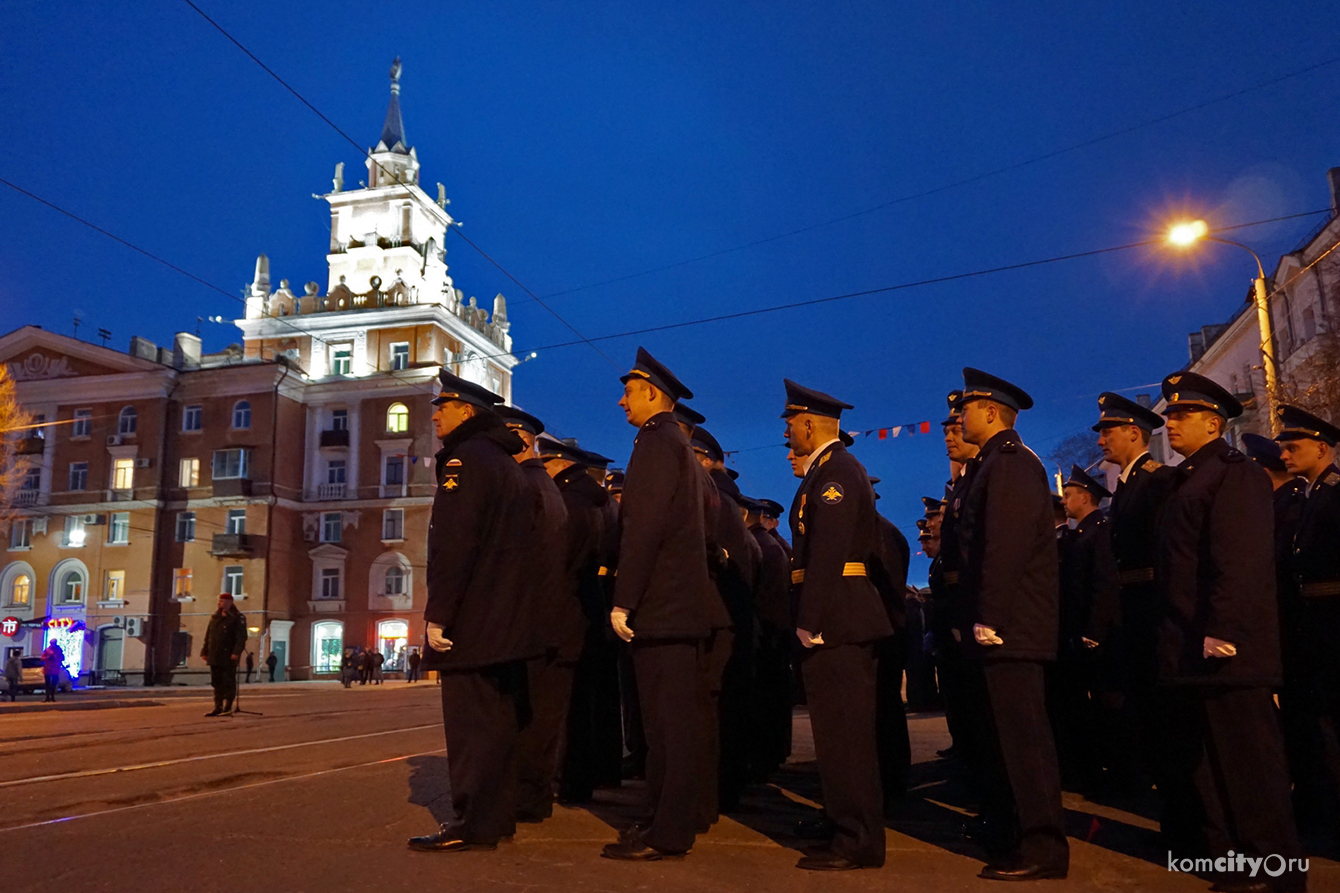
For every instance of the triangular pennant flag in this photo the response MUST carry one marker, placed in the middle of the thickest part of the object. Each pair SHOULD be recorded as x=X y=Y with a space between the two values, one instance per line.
x=883 y=433
x=854 y=433
x=911 y=429
x=413 y=460
x=894 y=431
x=925 y=427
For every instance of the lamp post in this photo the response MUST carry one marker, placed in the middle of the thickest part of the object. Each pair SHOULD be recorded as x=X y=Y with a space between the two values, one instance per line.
x=1184 y=235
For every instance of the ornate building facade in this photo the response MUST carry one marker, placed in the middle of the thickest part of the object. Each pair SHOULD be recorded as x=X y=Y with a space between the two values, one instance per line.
x=293 y=471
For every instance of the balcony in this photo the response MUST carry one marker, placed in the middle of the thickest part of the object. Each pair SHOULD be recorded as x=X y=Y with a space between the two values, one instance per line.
x=330 y=491
x=232 y=487
x=31 y=446
x=26 y=497
x=120 y=495
x=335 y=438
x=227 y=544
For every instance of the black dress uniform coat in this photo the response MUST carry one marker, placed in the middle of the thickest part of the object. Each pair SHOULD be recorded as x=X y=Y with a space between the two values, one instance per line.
x=1007 y=549
x=673 y=607
x=225 y=640
x=889 y=575
x=772 y=659
x=479 y=545
x=835 y=533
x=1227 y=784
x=1132 y=517
x=946 y=613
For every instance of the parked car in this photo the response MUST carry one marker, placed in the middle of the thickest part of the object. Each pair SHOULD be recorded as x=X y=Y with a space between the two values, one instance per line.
x=31 y=677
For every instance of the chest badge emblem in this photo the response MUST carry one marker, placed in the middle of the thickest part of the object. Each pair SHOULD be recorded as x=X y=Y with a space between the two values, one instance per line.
x=832 y=494
x=451 y=483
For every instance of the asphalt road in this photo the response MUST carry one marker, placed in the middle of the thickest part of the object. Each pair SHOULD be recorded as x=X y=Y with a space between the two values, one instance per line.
x=321 y=791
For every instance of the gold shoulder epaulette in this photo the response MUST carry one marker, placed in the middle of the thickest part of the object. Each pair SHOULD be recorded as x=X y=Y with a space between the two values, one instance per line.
x=1150 y=465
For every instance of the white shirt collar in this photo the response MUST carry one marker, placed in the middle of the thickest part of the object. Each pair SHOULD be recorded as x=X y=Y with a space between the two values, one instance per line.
x=1126 y=472
x=809 y=460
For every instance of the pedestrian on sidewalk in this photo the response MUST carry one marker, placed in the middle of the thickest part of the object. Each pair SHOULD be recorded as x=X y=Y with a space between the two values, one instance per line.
x=13 y=672
x=251 y=665
x=270 y=663
x=377 y=660
x=347 y=667
x=413 y=674
x=225 y=639
x=52 y=659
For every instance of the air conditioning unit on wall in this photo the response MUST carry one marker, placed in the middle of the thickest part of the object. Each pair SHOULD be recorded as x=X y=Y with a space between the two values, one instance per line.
x=113 y=439
x=144 y=463
x=135 y=626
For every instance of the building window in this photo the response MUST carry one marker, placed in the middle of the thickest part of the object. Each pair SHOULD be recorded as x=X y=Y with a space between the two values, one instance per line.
x=125 y=424
x=232 y=580
x=74 y=531
x=327 y=646
x=339 y=420
x=32 y=478
x=330 y=582
x=83 y=423
x=241 y=414
x=114 y=587
x=397 y=418
x=335 y=471
x=21 y=534
x=190 y=418
x=341 y=359
x=70 y=586
x=400 y=355
x=186 y=527
x=331 y=523
x=190 y=472
x=237 y=522
x=78 y=475
x=395 y=581
x=123 y=474
x=393 y=643
x=393 y=524
x=181 y=583
x=118 y=532
x=230 y=464
x=20 y=591
x=395 y=470
x=1309 y=324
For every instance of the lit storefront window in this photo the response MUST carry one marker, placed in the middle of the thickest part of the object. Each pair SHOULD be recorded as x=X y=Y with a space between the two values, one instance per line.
x=327 y=646
x=392 y=639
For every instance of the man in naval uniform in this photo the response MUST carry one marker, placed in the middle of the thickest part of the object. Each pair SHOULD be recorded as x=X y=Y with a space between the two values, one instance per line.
x=665 y=606
x=1218 y=641
x=480 y=615
x=1307 y=444
x=839 y=619
x=1007 y=547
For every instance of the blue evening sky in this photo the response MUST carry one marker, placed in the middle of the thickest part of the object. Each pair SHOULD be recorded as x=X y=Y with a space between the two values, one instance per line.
x=585 y=141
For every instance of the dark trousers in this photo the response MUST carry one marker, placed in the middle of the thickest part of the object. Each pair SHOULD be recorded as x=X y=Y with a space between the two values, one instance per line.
x=223 y=678
x=50 y=680
x=714 y=656
x=771 y=706
x=550 y=685
x=1228 y=757
x=483 y=712
x=1026 y=789
x=840 y=691
x=1074 y=718
x=669 y=676
x=272 y=674
x=634 y=735
x=951 y=674
x=593 y=754
x=891 y=738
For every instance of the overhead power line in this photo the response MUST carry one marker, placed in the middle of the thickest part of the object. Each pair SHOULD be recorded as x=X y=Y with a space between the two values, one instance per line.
x=955 y=184
x=349 y=139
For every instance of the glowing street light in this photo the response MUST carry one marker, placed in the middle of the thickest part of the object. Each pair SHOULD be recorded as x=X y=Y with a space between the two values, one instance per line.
x=1186 y=234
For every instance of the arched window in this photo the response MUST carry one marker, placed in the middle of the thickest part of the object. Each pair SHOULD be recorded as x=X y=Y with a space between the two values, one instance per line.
x=397 y=418
x=71 y=583
x=241 y=414
x=327 y=646
x=125 y=424
x=395 y=581
x=21 y=590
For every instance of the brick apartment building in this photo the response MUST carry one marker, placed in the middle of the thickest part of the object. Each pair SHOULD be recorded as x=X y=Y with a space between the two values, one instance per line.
x=293 y=470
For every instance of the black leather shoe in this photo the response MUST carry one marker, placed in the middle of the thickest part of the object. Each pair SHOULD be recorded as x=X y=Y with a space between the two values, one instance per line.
x=827 y=861
x=217 y=711
x=818 y=827
x=1021 y=871
x=633 y=832
x=637 y=851
x=446 y=840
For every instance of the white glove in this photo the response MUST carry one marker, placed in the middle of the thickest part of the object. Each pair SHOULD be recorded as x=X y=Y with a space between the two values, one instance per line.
x=985 y=635
x=619 y=620
x=1218 y=648
x=1088 y=643
x=436 y=640
x=807 y=639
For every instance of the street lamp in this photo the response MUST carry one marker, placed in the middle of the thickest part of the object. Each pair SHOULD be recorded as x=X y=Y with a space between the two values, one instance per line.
x=1184 y=235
